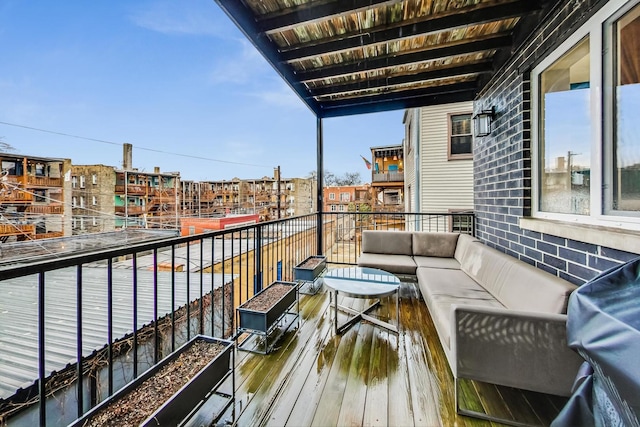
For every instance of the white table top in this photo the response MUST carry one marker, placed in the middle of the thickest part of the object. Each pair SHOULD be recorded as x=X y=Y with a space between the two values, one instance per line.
x=362 y=282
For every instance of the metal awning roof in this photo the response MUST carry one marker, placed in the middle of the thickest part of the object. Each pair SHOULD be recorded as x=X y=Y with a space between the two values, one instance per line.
x=347 y=57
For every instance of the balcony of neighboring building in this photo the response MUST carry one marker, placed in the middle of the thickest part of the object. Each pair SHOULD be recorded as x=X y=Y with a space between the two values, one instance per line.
x=131 y=210
x=52 y=209
x=132 y=189
x=13 y=196
x=388 y=166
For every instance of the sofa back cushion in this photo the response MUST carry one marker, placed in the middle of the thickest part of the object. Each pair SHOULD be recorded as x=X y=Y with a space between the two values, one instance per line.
x=463 y=243
x=440 y=245
x=386 y=242
x=516 y=284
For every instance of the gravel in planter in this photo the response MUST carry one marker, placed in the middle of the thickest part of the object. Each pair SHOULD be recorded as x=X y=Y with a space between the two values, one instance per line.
x=144 y=400
x=264 y=300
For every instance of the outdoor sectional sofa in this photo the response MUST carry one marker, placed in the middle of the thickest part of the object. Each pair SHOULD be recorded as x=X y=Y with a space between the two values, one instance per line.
x=499 y=319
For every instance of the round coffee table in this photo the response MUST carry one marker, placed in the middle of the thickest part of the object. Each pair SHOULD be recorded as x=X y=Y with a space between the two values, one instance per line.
x=362 y=282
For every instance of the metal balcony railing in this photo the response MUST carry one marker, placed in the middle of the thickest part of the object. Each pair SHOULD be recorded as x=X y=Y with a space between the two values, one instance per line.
x=343 y=231
x=120 y=311
x=106 y=316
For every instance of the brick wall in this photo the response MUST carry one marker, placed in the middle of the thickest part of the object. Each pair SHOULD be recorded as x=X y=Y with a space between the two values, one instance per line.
x=502 y=161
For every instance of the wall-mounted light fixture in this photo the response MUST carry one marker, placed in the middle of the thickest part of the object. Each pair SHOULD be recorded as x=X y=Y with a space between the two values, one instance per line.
x=482 y=122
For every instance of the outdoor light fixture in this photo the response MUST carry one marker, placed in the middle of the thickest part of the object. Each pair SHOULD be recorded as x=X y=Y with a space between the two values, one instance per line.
x=482 y=122
x=395 y=157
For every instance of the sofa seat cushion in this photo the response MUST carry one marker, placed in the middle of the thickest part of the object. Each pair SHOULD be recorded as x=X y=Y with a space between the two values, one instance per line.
x=397 y=264
x=436 y=262
x=442 y=288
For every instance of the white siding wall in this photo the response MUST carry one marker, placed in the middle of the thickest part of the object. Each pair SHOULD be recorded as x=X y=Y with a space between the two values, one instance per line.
x=444 y=184
x=409 y=163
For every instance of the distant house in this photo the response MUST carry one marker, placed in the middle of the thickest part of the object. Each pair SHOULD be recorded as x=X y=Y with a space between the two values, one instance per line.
x=387 y=178
x=439 y=160
x=341 y=198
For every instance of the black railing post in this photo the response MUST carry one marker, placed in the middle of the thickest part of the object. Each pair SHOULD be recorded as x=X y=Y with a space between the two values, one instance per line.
x=320 y=176
x=135 y=315
x=156 y=338
x=42 y=386
x=173 y=298
x=201 y=296
x=257 y=284
x=213 y=263
x=188 y=267
x=110 y=324
x=79 y=372
x=223 y=289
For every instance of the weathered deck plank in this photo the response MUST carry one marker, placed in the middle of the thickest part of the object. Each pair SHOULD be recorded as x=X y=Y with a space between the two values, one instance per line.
x=367 y=376
x=377 y=401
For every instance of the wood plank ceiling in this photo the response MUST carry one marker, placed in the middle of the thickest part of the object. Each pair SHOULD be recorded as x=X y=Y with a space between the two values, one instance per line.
x=356 y=56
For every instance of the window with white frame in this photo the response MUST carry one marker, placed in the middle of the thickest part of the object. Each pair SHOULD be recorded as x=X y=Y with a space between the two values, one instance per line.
x=94 y=179
x=332 y=196
x=74 y=181
x=94 y=200
x=82 y=201
x=94 y=221
x=345 y=197
x=74 y=201
x=81 y=181
x=585 y=108
x=460 y=136
x=333 y=208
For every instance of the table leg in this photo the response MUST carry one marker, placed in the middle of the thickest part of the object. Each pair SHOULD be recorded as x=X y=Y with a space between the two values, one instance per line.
x=335 y=310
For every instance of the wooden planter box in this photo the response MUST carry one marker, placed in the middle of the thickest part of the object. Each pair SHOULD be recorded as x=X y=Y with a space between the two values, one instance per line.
x=308 y=274
x=181 y=403
x=264 y=322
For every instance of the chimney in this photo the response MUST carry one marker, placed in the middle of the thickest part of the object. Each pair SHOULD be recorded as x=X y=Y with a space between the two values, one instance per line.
x=156 y=169
x=127 y=156
x=276 y=173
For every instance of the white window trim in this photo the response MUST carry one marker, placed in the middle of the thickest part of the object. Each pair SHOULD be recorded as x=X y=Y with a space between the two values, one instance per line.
x=594 y=28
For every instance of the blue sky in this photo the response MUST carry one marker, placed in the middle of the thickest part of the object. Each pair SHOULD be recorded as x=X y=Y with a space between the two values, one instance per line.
x=167 y=77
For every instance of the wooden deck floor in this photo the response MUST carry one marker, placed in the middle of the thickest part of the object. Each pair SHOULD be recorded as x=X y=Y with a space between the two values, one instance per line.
x=367 y=376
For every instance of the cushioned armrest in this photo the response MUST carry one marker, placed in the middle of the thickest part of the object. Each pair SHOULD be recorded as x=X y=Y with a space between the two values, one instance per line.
x=526 y=350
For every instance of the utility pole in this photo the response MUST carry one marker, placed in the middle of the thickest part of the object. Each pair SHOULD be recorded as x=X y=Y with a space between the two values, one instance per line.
x=126 y=200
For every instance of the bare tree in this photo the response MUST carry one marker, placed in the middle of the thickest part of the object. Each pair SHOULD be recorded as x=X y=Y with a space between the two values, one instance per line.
x=330 y=179
x=349 y=178
x=5 y=146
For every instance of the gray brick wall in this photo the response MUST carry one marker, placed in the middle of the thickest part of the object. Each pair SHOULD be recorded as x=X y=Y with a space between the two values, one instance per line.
x=502 y=161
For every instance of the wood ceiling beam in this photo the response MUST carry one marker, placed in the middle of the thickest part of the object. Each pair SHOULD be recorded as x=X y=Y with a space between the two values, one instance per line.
x=462 y=48
x=276 y=22
x=385 y=34
x=401 y=94
x=439 y=73
x=328 y=110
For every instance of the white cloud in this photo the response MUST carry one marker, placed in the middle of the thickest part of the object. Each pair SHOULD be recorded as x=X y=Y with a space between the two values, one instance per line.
x=239 y=66
x=189 y=18
x=281 y=96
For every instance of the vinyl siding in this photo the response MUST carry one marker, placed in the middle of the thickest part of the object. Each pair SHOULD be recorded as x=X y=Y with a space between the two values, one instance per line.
x=410 y=163
x=445 y=184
